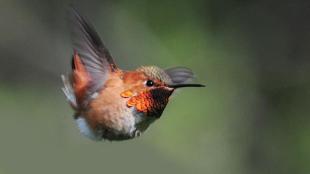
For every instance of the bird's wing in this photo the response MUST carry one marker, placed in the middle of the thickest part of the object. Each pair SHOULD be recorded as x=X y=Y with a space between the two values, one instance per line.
x=180 y=75
x=91 y=51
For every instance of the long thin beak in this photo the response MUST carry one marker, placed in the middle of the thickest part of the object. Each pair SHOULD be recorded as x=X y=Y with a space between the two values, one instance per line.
x=185 y=85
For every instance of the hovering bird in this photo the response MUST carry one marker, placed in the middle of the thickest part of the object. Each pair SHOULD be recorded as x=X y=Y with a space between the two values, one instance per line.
x=111 y=103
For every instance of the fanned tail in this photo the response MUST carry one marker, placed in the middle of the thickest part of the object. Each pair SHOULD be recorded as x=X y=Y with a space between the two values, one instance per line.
x=69 y=92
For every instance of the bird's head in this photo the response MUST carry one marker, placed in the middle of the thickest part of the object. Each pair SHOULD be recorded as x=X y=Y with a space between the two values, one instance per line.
x=149 y=87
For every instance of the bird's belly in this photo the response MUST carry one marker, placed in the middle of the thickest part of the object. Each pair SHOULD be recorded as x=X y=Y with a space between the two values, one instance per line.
x=85 y=129
x=126 y=125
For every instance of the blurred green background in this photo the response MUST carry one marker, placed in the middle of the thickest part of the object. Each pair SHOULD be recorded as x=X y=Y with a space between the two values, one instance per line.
x=252 y=118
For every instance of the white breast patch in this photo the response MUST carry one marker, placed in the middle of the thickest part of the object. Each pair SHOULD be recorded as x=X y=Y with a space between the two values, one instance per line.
x=85 y=129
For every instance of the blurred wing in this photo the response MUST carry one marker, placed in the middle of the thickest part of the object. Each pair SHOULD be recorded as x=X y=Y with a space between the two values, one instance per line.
x=92 y=52
x=180 y=75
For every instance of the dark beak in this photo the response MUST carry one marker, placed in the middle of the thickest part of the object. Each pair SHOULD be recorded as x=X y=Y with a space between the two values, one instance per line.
x=185 y=85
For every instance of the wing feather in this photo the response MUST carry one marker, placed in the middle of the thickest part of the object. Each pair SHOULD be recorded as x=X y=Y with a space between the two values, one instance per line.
x=93 y=53
x=180 y=75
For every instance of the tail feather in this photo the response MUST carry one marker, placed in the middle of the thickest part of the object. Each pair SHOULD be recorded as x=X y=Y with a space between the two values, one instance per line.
x=68 y=91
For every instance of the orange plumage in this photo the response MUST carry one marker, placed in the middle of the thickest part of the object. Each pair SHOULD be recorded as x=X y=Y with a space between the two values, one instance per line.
x=111 y=103
x=81 y=78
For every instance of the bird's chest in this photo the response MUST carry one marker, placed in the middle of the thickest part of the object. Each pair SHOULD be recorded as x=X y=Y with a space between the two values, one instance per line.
x=114 y=119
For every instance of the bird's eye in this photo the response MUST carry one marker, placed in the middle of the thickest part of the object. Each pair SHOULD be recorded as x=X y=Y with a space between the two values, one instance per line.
x=149 y=83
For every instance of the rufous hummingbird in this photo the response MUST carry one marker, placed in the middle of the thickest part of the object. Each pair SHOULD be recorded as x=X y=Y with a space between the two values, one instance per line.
x=111 y=103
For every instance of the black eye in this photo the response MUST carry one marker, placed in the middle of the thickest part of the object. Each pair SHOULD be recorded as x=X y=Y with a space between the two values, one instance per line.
x=149 y=83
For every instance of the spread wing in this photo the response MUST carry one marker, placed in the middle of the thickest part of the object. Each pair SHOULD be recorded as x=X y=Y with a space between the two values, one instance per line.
x=180 y=75
x=91 y=51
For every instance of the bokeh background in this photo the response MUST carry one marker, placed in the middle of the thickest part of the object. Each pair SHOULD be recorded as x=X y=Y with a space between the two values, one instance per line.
x=252 y=118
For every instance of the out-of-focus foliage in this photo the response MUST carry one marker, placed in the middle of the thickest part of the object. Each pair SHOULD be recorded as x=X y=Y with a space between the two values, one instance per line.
x=253 y=116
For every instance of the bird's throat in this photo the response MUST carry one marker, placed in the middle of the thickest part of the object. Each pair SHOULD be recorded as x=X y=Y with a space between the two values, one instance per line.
x=152 y=102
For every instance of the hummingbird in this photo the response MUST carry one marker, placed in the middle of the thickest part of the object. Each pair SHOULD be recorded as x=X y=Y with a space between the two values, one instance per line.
x=111 y=103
